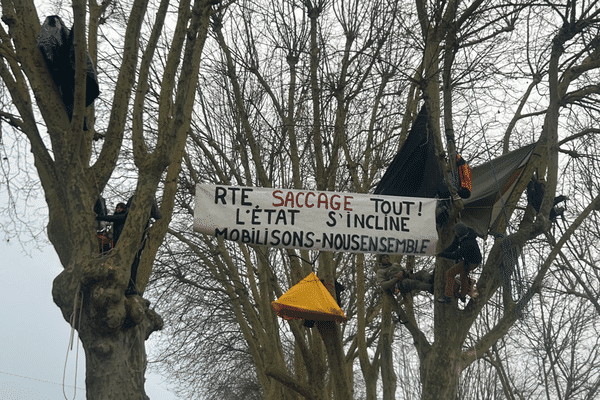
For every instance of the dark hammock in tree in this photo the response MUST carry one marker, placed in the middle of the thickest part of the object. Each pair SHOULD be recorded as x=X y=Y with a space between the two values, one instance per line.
x=55 y=42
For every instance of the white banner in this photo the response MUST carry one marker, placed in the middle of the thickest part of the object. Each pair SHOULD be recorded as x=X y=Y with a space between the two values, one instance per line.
x=308 y=219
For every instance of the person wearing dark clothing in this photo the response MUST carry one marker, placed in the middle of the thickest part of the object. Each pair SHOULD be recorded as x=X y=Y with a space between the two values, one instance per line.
x=464 y=247
x=117 y=219
x=536 y=188
x=465 y=251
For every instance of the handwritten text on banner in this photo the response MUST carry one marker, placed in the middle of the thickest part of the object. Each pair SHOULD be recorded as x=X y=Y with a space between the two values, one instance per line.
x=309 y=219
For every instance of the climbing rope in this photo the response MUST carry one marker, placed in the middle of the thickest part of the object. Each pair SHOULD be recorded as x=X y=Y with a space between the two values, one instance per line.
x=78 y=299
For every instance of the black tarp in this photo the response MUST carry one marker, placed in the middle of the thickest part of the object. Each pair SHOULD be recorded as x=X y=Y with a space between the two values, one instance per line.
x=415 y=171
x=55 y=42
x=493 y=186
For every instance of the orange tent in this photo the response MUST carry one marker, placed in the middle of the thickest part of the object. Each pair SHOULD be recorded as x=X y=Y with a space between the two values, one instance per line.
x=309 y=300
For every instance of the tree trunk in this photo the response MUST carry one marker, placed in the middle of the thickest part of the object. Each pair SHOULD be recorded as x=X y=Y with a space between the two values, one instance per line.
x=331 y=335
x=115 y=364
x=112 y=327
x=442 y=370
x=369 y=369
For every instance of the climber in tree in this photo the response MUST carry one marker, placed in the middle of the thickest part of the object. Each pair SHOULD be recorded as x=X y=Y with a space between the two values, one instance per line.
x=465 y=251
x=395 y=279
x=390 y=277
x=536 y=189
x=388 y=274
x=118 y=220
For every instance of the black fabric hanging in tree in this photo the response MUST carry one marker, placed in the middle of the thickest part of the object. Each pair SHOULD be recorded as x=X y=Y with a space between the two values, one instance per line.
x=415 y=171
x=55 y=42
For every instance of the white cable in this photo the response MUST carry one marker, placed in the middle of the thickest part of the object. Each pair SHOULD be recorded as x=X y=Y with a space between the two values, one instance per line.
x=70 y=346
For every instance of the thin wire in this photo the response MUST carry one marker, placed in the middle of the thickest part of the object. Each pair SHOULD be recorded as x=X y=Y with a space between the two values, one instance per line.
x=36 y=379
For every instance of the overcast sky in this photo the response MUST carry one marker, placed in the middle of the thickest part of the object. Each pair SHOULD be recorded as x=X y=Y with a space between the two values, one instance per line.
x=34 y=337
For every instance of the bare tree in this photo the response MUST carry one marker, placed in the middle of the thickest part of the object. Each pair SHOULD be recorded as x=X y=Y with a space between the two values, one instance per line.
x=320 y=95
x=74 y=169
x=315 y=94
x=567 y=55
x=284 y=107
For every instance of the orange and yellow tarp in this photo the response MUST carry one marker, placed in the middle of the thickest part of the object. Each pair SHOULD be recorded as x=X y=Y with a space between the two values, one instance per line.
x=308 y=299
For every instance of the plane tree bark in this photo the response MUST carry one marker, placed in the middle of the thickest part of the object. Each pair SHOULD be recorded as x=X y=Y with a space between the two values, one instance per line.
x=74 y=170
